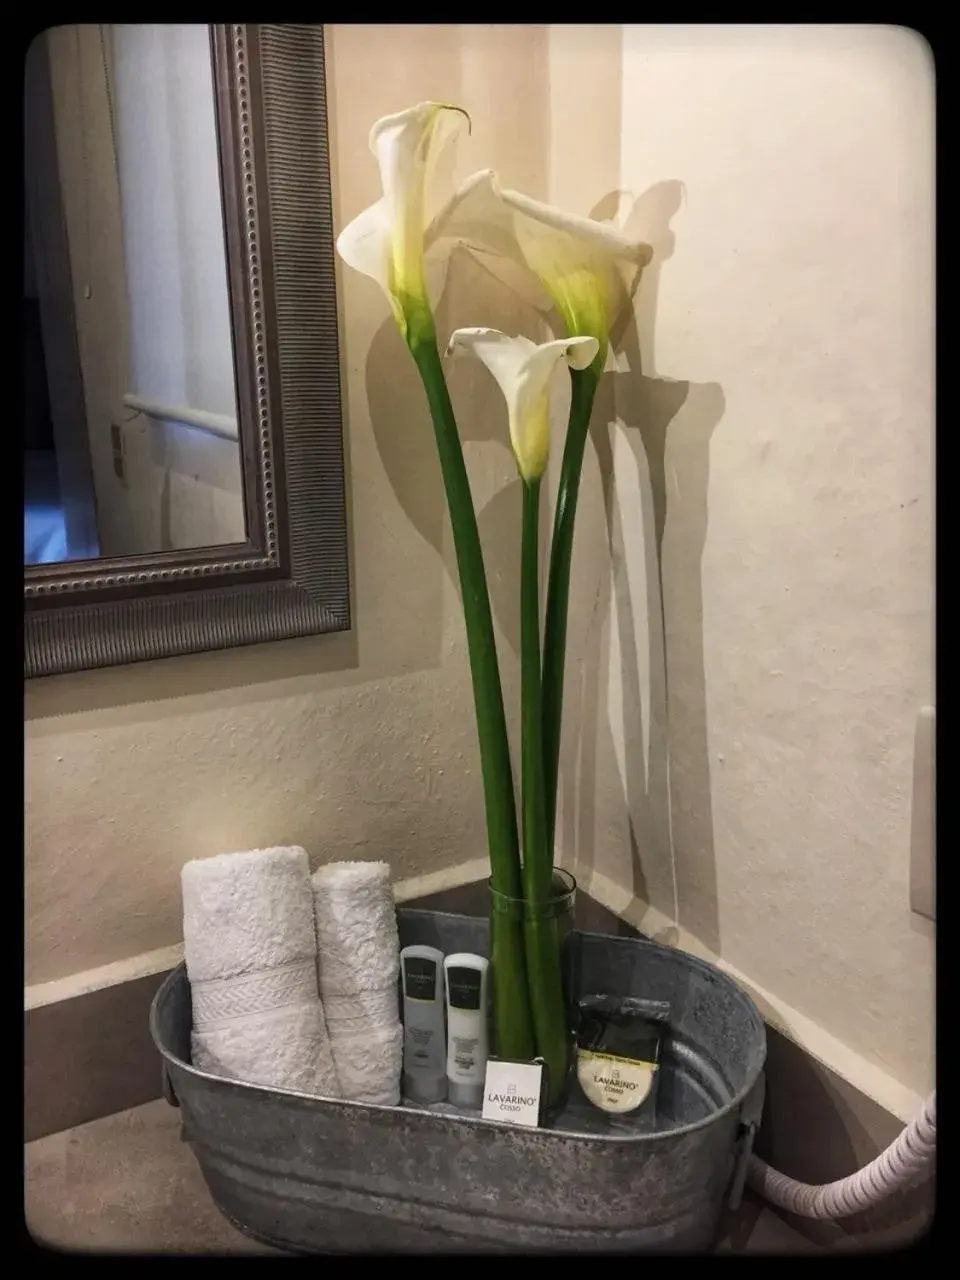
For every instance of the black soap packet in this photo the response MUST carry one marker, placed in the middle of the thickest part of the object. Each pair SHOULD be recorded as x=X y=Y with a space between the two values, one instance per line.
x=619 y=1046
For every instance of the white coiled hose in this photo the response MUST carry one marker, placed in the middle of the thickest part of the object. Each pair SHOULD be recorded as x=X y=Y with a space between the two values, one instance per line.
x=893 y=1168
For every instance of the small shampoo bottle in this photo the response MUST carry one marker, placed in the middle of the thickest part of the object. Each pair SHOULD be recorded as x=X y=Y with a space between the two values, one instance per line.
x=466 y=982
x=424 y=1042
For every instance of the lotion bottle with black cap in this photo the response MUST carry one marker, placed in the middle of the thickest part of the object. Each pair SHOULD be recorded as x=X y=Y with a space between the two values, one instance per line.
x=465 y=977
x=424 y=1075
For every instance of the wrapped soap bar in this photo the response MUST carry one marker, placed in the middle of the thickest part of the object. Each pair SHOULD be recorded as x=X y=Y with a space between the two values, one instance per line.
x=619 y=1042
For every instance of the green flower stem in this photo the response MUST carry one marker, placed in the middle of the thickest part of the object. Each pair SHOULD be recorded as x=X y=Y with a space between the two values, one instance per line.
x=584 y=387
x=545 y=978
x=537 y=863
x=512 y=1024
x=544 y=971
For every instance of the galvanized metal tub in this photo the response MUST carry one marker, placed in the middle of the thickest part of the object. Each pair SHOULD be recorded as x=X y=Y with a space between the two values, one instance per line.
x=318 y=1175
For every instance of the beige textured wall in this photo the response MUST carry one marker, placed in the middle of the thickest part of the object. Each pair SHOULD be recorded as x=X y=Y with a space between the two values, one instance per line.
x=774 y=437
x=780 y=442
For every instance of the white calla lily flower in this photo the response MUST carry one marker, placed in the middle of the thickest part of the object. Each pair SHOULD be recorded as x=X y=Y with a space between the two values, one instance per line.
x=523 y=370
x=587 y=268
x=386 y=241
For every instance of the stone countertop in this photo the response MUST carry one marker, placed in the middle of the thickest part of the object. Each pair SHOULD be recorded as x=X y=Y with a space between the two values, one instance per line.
x=128 y=1184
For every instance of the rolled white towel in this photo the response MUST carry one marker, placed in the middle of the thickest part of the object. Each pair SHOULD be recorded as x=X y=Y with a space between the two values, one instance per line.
x=369 y=1063
x=357 y=935
x=251 y=952
x=359 y=962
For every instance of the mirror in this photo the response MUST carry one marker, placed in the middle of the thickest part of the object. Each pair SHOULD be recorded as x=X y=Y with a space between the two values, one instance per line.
x=131 y=441
x=184 y=459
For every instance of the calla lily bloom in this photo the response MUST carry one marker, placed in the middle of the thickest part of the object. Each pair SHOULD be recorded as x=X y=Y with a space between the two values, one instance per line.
x=587 y=268
x=524 y=370
x=386 y=241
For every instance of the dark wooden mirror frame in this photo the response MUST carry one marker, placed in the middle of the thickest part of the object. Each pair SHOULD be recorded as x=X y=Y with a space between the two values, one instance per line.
x=290 y=577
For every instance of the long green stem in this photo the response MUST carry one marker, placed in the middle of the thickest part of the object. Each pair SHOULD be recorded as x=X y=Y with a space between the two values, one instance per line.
x=544 y=970
x=537 y=863
x=512 y=1022
x=584 y=387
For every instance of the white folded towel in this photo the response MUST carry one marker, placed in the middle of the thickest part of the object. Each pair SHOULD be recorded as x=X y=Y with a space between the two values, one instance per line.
x=371 y=1061
x=359 y=961
x=251 y=951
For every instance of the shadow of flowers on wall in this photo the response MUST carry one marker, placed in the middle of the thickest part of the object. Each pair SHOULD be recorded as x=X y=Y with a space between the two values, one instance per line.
x=652 y=436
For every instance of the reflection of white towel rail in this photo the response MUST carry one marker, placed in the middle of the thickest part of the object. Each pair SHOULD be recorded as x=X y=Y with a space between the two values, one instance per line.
x=218 y=423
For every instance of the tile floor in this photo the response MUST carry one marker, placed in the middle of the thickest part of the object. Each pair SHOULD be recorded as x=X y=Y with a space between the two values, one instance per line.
x=128 y=1184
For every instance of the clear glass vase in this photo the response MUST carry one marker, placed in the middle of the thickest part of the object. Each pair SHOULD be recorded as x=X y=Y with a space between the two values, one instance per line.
x=558 y=911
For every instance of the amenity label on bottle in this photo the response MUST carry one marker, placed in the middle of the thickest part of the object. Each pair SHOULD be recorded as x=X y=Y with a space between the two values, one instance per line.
x=511 y=1092
x=464 y=987
x=421 y=979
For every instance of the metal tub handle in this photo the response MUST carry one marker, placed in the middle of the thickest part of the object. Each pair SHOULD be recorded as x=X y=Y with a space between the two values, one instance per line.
x=750 y=1115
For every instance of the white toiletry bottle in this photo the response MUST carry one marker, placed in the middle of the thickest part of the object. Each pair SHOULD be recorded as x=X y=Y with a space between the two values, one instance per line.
x=424 y=1043
x=465 y=978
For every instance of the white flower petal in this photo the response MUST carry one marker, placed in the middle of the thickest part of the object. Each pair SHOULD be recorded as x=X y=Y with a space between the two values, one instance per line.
x=386 y=241
x=523 y=372
x=447 y=126
x=364 y=244
x=476 y=219
x=504 y=356
x=476 y=216
x=584 y=266
x=579 y=352
x=601 y=237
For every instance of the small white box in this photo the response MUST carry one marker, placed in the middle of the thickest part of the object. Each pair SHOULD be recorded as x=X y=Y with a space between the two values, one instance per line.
x=511 y=1092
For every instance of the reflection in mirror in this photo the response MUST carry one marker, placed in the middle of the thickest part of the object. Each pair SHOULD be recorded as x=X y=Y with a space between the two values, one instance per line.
x=131 y=433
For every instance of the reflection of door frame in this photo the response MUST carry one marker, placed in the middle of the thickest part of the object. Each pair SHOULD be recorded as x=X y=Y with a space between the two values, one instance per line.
x=44 y=210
